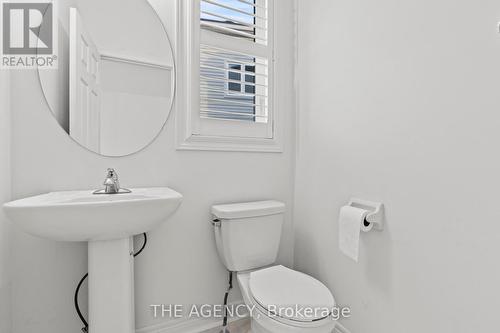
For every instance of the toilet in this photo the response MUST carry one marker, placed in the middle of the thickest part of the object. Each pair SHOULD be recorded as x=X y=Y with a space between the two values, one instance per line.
x=280 y=299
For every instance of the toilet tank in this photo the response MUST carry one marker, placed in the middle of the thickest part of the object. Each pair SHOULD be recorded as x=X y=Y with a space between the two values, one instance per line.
x=248 y=234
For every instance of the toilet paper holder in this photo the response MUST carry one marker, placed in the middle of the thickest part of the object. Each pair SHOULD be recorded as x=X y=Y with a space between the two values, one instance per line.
x=375 y=215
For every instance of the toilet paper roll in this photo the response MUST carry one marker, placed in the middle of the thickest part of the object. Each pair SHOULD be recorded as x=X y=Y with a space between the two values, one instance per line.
x=351 y=222
x=365 y=226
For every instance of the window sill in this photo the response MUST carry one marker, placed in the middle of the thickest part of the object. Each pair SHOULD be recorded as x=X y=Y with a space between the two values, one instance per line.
x=214 y=143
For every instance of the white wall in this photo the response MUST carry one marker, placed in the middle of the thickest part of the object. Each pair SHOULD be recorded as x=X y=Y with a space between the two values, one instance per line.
x=180 y=264
x=5 y=189
x=399 y=102
x=133 y=31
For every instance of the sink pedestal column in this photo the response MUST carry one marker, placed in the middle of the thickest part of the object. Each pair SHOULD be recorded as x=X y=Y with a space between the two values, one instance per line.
x=111 y=286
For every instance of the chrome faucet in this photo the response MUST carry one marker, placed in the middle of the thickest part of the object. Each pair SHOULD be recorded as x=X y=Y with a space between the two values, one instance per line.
x=111 y=184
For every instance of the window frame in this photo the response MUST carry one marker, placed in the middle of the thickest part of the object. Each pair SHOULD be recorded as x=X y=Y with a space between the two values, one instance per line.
x=222 y=135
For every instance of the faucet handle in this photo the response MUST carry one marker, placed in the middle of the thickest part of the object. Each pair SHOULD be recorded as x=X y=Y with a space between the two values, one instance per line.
x=112 y=173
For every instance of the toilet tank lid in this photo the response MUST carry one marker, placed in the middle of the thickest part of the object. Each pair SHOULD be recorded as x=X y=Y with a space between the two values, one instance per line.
x=248 y=209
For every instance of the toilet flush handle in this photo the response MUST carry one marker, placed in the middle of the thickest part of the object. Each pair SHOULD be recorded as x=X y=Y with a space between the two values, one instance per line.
x=216 y=223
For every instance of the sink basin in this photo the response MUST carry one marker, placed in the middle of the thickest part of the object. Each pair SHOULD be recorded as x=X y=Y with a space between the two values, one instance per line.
x=83 y=216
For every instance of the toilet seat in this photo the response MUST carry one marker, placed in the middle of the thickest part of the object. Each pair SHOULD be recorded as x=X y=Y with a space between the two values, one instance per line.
x=289 y=296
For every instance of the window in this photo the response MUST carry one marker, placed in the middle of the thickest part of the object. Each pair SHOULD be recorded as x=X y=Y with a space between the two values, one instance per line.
x=238 y=75
x=232 y=76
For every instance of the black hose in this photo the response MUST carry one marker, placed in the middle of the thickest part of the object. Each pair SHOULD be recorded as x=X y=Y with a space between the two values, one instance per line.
x=143 y=245
x=77 y=291
x=85 y=324
x=224 y=322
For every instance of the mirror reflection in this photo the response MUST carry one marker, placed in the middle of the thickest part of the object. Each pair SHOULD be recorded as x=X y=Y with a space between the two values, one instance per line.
x=114 y=86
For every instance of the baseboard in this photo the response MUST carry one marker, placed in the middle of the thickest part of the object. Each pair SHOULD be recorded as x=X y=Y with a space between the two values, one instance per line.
x=339 y=328
x=182 y=326
x=196 y=325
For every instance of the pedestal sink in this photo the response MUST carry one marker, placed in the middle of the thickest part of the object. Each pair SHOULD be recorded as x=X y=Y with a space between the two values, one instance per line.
x=107 y=222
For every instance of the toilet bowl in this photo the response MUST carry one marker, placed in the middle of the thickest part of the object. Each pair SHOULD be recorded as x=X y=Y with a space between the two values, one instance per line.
x=283 y=300
x=279 y=299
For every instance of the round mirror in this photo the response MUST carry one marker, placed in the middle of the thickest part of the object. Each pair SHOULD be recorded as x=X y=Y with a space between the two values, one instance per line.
x=113 y=87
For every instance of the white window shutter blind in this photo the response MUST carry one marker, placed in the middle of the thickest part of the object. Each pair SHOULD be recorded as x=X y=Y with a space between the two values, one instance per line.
x=235 y=68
